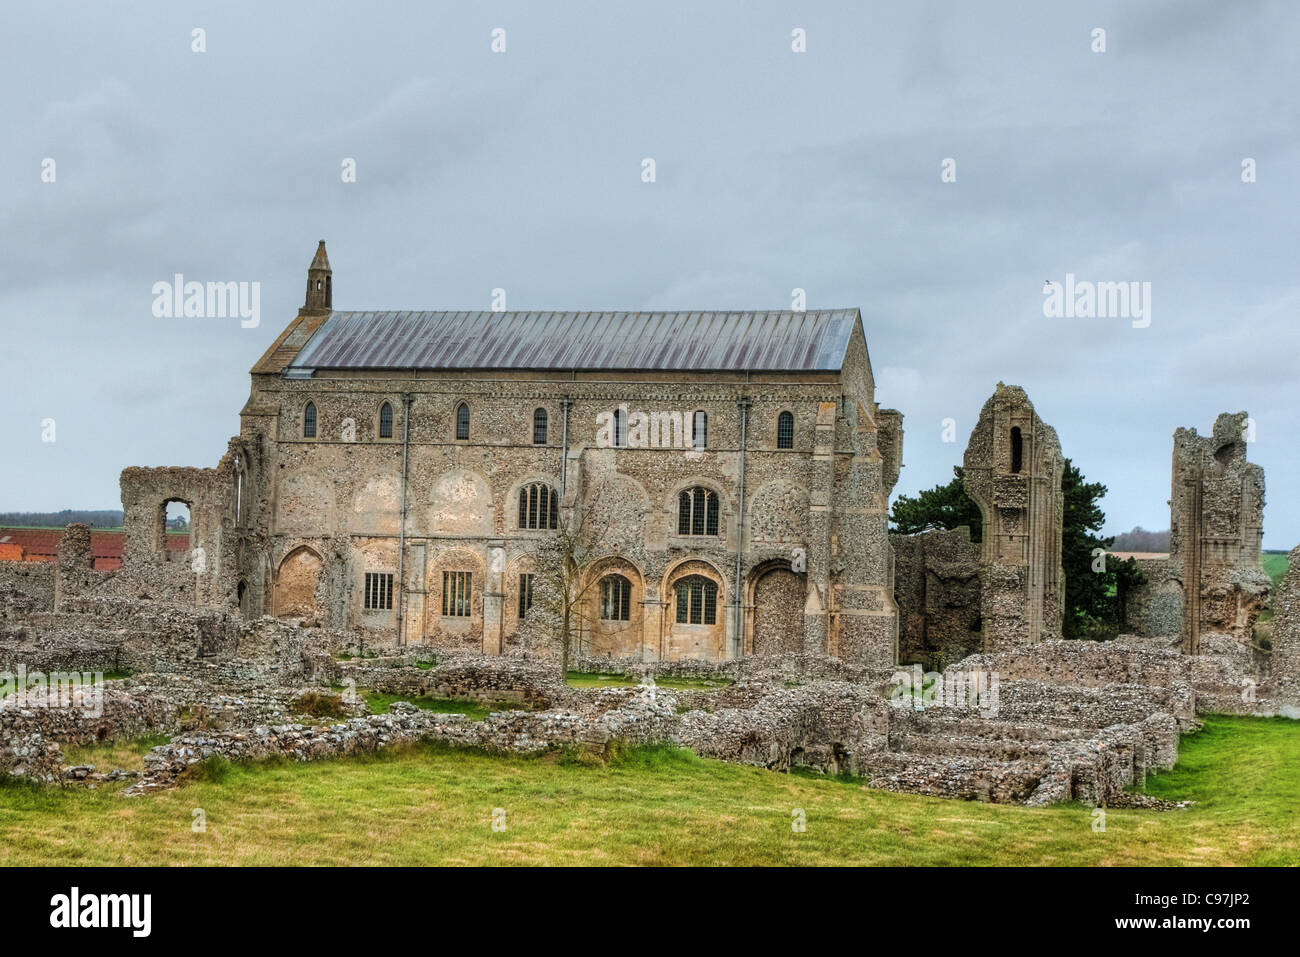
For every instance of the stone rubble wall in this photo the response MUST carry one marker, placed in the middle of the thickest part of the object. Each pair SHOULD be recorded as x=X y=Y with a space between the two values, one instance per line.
x=485 y=678
x=628 y=715
x=25 y=587
x=31 y=732
x=937 y=585
x=1286 y=630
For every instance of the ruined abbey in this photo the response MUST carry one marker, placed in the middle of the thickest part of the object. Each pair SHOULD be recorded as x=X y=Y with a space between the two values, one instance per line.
x=718 y=484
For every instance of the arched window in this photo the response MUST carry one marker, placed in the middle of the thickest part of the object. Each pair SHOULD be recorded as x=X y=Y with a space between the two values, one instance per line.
x=785 y=430
x=309 y=421
x=697 y=601
x=697 y=511
x=539 y=426
x=462 y=421
x=615 y=598
x=539 y=506
x=700 y=429
x=1017 y=450
x=620 y=429
x=385 y=421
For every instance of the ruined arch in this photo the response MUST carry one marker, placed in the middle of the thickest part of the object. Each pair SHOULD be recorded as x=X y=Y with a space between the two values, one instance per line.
x=298 y=579
x=776 y=597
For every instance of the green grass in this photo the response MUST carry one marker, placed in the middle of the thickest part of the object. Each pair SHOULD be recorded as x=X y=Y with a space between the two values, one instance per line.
x=431 y=805
x=1274 y=566
x=381 y=701
x=596 y=679
x=128 y=755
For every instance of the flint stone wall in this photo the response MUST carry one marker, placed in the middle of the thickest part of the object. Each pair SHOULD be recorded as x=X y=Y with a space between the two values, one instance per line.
x=485 y=678
x=1286 y=630
x=630 y=715
x=31 y=732
x=937 y=588
x=26 y=587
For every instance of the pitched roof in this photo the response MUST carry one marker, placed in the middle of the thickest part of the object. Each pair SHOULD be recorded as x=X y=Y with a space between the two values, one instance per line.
x=812 y=341
x=42 y=544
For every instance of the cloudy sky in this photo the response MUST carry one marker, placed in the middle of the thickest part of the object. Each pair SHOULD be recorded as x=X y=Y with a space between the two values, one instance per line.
x=774 y=170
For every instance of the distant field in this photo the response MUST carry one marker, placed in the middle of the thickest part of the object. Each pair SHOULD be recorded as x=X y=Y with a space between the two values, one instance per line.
x=1275 y=566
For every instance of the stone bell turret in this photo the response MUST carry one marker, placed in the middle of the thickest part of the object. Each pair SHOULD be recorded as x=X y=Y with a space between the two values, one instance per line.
x=320 y=291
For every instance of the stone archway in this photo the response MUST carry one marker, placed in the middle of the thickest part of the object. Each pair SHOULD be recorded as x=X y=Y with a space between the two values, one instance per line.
x=778 y=622
x=296 y=583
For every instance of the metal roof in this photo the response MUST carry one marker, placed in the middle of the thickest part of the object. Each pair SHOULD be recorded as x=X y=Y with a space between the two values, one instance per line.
x=810 y=341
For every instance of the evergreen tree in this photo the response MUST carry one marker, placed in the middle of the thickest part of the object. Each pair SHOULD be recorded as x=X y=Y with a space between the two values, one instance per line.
x=1095 y=586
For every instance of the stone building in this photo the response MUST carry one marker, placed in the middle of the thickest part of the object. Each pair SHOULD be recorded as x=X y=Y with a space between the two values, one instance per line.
x=1013 y=469
x=395 y=473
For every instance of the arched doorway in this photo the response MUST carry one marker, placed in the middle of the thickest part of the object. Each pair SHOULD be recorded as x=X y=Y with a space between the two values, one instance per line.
x=296 y=584
x=779 y=596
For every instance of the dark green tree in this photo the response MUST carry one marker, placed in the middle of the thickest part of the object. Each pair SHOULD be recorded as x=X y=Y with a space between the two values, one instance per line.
x=1090 y=605
x=1096 y=587
x=942 y=507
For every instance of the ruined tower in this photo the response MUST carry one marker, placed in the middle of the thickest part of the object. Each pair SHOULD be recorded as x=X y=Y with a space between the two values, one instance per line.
x=1013 y=470
x=1216 y=525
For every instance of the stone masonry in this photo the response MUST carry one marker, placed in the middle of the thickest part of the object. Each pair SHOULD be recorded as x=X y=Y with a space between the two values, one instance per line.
x=1013 y=469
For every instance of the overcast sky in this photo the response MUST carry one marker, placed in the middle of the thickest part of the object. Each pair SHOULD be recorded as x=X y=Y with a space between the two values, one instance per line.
x=774 y=170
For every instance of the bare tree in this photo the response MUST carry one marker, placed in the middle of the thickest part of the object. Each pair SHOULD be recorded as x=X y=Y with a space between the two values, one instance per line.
x=563 y=584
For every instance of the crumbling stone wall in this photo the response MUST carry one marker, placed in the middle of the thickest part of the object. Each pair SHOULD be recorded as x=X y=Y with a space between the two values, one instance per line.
x=32 y=729
x=1155 y=608
x=937 y=588
x=1286 y=630
x=75 y=565
x=1013 y=470
x=1216 y=527
x=226 y=566
x=26 y=587
x=485 y=678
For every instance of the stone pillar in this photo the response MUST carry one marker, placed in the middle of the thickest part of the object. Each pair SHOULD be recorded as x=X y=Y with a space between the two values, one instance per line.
x=862 y=560
x=821 y=482
x=494 y=599
x=652 y=625
x=72 y=577
x=416 y=577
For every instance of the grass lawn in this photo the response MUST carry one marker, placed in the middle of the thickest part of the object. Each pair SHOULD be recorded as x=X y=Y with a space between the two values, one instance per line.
x=1274 y=566
x=430 y=805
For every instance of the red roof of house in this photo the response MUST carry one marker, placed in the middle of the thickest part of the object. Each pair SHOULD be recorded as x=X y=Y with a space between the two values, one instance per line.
x=106 y=547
